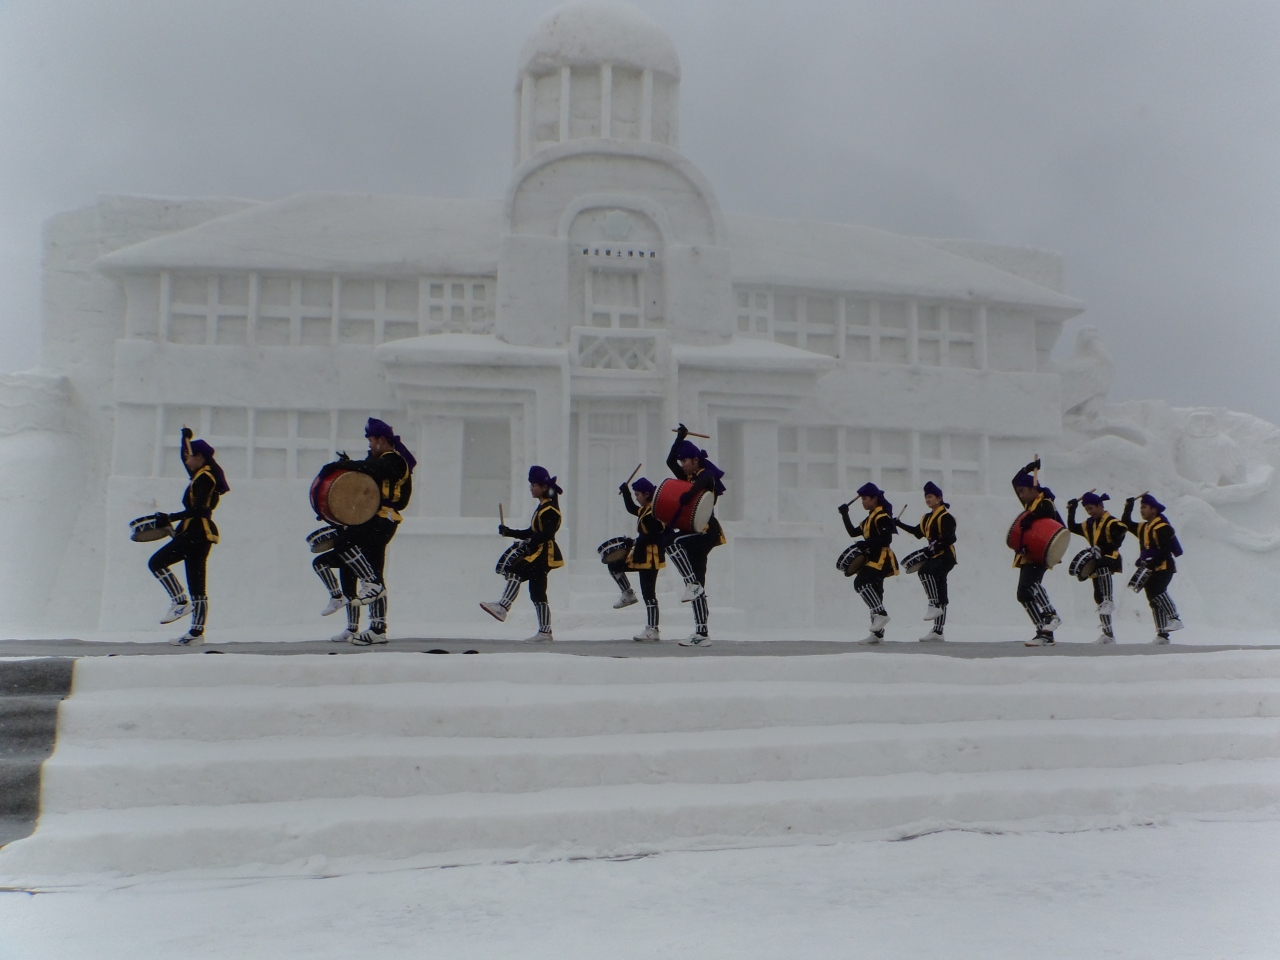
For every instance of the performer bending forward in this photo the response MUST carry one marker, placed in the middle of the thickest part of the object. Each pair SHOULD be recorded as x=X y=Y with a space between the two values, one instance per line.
x=688 y=550
x=194 y=538
x=360 y=552
x=877 y=535
x=543 y=556
x=937 y=526
x=1159 y=545
x=1037 y=501
x=646 y=557
x=1104 y=534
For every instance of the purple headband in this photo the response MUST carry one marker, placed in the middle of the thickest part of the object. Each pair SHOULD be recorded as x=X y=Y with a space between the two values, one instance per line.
x=1153 y=503
x=542 y=476
x=934 y=489
x=643 y=485
x=1092 y=499
x=380 y=428
x=201 y=448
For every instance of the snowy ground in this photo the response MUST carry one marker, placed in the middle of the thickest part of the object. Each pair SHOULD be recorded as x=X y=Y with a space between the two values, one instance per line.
x=1208 y=891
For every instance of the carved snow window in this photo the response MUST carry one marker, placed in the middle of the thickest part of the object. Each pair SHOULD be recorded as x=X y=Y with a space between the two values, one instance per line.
x=208 y=309
x=459 y=305
x=807 y=321
x=486 y=466
x=807 y=457
x=614 y=299
x=876 y=331
x=754 y=313
x=946 y=336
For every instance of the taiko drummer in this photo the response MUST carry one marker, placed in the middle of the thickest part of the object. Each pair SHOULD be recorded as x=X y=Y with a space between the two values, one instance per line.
x=646 y=557
x=689 y=550
x=1104 y=534
x=938 y=527
x=541 y=554
x=876 y=531
x=359 y=553
x=1037 y=502
x=1156 y=567
x=195 y=535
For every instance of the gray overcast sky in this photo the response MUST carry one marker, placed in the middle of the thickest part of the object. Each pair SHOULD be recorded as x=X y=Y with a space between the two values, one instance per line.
x=1141 y=138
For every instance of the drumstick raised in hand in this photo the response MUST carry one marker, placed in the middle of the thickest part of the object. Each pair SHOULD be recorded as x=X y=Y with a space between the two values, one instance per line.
x=502 y=521
x=903 y=510
x=1035 y=472
x=633 y=474
x=701 y=436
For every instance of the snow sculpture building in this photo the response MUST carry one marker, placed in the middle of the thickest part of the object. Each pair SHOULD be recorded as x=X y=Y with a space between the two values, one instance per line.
x=570 y=323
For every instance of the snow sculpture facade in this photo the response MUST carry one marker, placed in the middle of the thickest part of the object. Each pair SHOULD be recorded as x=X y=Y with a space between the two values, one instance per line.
x=571 y=323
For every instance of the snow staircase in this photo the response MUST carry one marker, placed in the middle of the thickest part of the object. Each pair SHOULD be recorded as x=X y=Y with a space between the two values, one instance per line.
x=299 y=763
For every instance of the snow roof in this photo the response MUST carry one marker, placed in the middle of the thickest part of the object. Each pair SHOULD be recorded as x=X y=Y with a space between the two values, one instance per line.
x=851 y=258
x=592 y=32
x=333 y=233
x=412 y=236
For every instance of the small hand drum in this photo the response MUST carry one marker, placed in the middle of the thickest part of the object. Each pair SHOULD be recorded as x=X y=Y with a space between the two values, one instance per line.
x=1139 y=579
x=146 y=529
x=322 y=540
x=1084 y=563
x=615 y=549
x=511 y=556
x=915 y=560
x=852 y=559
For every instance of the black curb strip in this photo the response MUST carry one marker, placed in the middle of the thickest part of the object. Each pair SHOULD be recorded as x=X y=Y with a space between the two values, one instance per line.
x=30 y=691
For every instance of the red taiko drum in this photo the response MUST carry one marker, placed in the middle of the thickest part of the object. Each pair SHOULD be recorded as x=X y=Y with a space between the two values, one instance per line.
x=1046 y=542
x=695 y=516
x=344 y=496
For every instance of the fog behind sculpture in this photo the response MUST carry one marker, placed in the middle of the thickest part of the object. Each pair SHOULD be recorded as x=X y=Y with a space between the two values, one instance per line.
x=571 y=322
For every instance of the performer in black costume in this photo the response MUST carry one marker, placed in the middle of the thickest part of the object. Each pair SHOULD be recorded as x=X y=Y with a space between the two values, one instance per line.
x=647 y=557
x=1037 y=501
x=359 y=554
x=1159 y=545
x=194 y=537
x=1104 y=534
x=687 y=550
x=876 y=532
x=937 y=526
x=543 y=556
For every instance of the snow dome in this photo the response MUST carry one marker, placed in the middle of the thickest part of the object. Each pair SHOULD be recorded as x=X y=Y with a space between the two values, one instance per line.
x=596 y=69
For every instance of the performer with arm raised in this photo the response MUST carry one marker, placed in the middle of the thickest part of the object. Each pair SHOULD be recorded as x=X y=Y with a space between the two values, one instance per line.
x=1037 y=502
x=937 y=526
x=359 y=553
x=1104 y=534
x=646 y=557
x=1159 y=545
x=195 y=535
x=877 y=531
x=543 y=554
x=689 y=550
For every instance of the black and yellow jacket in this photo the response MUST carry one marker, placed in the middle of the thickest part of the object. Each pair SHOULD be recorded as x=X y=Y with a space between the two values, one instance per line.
x=395 y=481
x=1104 y=532
x=541 y=534
x=1041 y=506
x=877 y=532
x=648 y=553
x=199 y=501
x=938 y=527
x=1156 y=539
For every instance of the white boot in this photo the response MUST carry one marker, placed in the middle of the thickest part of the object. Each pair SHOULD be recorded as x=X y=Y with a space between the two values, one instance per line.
x=177 y=610
x=495 y=610
x=1107 y=607
x=1053 y=624
x=1105 y=638
x=626 y=600
x=343 y=637
x=368 y=638
x=369 y=591
x=542 y=636
x=933 y=636
x=881 y=620
x=933 y=613
x=647 y=635
x=871 y=639
x=696 y=640
x=335 y=604
x=1041 y=639
x=190 y=639
x=1160 y=639
x=1174 y=624
x=692 y=591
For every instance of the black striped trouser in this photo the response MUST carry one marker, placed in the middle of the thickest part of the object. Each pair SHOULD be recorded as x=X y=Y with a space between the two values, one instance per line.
x=688 y=552
x=1162 y=607
x=648 y=587
x=870 y=587
x=1032 y=594
x=359 y=553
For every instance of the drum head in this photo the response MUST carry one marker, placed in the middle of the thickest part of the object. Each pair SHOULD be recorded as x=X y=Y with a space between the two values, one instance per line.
x=915 y=560
x=1083 y=564
x=703 y=509
x=353 y=498
x=1057 y=547
x=614 y=549
x=146 y=529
